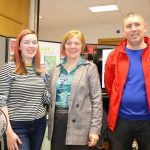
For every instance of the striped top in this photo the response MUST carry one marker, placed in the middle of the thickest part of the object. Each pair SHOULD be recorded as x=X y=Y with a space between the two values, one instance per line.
x=23 y=95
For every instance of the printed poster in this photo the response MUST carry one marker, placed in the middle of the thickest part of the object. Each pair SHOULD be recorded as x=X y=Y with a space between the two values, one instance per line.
x=50 y=53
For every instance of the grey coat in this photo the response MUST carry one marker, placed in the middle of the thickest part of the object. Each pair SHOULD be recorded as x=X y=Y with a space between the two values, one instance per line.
x=85 y=107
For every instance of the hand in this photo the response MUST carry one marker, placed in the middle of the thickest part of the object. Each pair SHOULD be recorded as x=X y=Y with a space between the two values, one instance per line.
x=12 y=140
x=93 y=140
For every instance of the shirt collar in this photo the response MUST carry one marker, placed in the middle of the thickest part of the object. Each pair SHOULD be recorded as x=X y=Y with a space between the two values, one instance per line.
x=80 y=61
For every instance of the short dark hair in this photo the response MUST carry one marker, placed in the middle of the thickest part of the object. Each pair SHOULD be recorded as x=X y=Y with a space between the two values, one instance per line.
x=131 y=14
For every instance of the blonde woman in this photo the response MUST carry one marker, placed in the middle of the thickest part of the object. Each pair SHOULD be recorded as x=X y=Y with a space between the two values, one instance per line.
x=75 y=116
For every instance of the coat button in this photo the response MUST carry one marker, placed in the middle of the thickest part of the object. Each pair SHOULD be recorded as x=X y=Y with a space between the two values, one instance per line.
x=77 y=105
x=73 y=120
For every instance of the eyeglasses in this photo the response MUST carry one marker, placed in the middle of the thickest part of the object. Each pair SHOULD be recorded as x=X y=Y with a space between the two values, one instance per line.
x=76 y=44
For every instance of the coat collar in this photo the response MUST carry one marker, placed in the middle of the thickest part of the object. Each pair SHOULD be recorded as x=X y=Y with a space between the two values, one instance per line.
x=75 y=81
x=81 y=61
x=121 y=46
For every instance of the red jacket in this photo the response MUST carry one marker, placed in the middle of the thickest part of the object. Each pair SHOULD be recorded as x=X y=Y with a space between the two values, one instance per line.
x=116 y=71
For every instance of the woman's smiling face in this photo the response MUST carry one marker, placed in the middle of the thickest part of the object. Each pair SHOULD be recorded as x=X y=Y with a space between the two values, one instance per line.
x=73 y=47
x=28 y=47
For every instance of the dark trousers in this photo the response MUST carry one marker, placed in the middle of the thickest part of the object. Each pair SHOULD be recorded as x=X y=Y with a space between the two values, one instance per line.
x=125 y=132
x=59 y=135
x=31 y=133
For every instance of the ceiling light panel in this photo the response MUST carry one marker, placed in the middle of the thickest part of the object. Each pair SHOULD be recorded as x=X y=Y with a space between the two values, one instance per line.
x=103 y=8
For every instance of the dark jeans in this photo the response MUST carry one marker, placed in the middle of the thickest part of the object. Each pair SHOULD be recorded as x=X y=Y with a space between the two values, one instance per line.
x=126 y=130
x=59 y=135
x=31 y=133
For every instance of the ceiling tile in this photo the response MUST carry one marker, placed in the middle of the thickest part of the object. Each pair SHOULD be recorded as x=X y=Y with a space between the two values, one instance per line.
x=73 y=13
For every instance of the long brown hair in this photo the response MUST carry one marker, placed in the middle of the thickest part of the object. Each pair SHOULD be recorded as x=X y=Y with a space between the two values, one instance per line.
x=20 y=64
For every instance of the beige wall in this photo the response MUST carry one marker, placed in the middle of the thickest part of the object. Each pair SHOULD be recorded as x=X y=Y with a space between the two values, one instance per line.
x=91 y=33
x=14 y=16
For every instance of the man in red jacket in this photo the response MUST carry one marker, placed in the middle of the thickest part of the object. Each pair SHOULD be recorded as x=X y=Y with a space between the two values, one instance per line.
x=127 y=82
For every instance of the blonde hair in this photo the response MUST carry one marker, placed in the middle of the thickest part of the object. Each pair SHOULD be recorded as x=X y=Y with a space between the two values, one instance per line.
x=70 y=34
x=132 y=14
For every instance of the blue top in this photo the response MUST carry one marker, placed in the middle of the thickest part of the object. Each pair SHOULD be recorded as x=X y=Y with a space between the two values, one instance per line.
x=64 y=82
x=134 y=103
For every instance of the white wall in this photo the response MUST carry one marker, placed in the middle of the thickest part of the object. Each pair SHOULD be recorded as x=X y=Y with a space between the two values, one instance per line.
x=91 y=33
